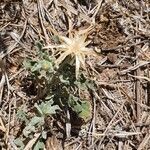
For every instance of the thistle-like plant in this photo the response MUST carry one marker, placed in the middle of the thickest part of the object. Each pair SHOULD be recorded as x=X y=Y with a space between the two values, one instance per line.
x=75 y=46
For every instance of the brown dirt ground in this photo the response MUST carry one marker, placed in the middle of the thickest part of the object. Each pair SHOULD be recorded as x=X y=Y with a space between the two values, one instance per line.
x=120 y=103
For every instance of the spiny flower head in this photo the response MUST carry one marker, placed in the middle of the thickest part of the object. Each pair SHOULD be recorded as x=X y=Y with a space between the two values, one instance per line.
x=74 y=46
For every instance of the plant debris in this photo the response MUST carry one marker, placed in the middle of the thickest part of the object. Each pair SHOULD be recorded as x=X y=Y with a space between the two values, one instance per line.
x=75 y=74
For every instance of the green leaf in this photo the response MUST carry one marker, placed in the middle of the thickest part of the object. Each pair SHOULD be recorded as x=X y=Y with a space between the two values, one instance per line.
x=46 y=65
x=36 y=120
x=81 y=86
x=82 y=108
x=44 y=135
x=36 y=67
x=86 y=112
x=39 y=145
x=30 y=128
x=47 y=108
x=38 y=108
x=18 y=142
x=21 y=114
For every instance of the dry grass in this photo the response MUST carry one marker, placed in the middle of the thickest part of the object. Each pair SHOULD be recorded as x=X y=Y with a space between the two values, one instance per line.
x=121 y=38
